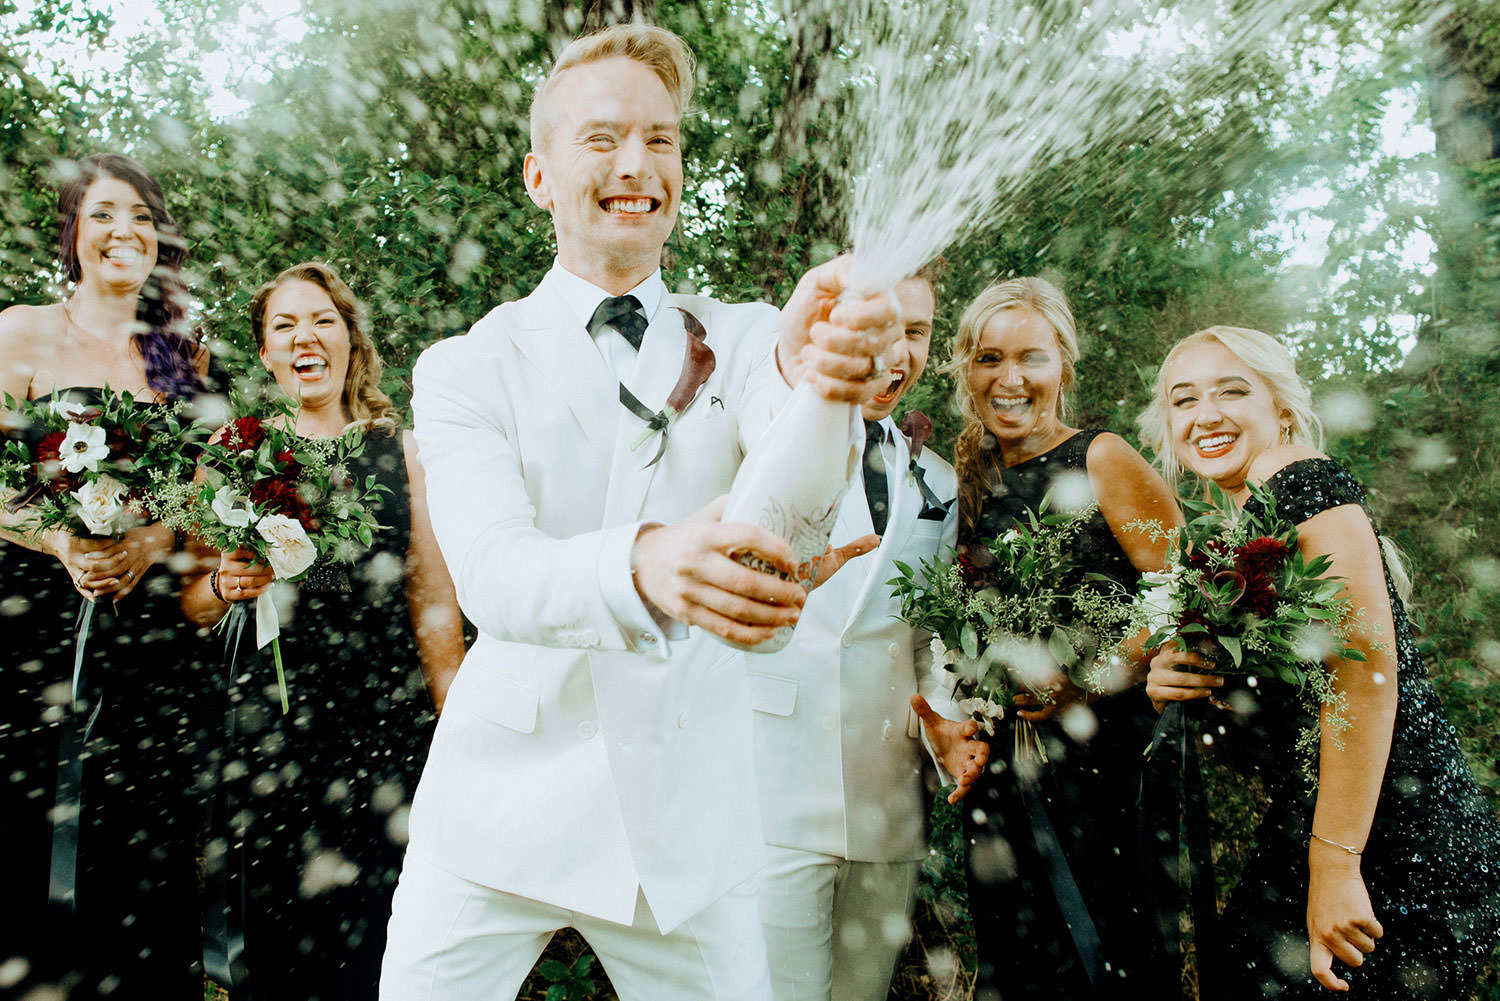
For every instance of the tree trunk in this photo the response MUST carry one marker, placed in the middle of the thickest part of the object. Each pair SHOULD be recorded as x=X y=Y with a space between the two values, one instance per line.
x=1463 y=95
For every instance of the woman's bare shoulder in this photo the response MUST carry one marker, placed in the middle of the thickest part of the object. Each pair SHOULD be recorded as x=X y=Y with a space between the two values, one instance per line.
x=28 y=337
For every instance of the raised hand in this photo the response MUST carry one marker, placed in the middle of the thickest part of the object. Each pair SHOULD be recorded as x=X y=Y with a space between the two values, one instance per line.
x=953 y=741
x=832 y=338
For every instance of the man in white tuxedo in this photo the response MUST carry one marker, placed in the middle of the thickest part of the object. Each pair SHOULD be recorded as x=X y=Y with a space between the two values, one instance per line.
x=837 y=743
x=592 y=767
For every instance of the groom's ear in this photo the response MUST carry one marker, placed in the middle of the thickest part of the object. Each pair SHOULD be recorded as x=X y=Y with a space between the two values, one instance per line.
x=534 y=173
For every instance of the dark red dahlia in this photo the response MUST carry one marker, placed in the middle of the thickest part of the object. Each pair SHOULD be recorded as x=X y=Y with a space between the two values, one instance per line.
x=279 y=495
x=1263 y=555
x=242 y=434
x=1260 y=593
x=48 y=465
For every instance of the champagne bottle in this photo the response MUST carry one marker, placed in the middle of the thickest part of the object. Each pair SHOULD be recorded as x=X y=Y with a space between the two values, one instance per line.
x=792 y=482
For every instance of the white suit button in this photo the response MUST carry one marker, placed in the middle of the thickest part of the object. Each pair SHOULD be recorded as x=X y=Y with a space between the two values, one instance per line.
x=895 y=649
x=682 y=720
x=846 y=642
x=587 y=729
x=647 y=639
x=830 y=722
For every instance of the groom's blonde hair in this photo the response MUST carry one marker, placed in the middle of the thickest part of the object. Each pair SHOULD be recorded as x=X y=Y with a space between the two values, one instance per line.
x=658 y=49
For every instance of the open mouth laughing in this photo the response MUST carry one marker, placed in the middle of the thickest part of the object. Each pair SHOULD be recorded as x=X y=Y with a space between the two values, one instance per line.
x=893 y=389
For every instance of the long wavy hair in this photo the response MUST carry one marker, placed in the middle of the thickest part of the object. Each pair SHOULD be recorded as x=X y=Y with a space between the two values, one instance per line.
x=165 y=342
x=363 y=400
x=977 y=454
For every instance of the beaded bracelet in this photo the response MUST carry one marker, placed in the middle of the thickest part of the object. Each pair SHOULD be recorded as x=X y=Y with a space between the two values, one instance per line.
x=1348 y=848
x=213 y=585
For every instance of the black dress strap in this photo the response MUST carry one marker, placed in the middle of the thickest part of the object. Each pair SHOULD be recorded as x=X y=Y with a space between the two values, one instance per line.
x=1309 y=487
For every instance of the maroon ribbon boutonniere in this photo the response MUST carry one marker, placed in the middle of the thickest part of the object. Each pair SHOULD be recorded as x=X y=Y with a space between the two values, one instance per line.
x=918 y=428
x=697 y=365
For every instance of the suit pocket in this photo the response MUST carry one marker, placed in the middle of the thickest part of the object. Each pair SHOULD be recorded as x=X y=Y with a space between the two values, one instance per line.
x=773 y=695
x=501 y=700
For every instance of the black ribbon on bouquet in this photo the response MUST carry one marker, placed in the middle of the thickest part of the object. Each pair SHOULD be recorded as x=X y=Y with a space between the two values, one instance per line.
x=224 y=819
x=1070 y=902
x=1171 y=808
x=67 y=804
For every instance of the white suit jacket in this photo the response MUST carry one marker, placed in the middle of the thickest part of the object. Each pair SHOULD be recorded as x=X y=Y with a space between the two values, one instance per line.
x=577 y=757
x=837 y=746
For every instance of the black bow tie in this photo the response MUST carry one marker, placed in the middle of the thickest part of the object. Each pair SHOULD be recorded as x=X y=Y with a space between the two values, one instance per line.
x=625 y=314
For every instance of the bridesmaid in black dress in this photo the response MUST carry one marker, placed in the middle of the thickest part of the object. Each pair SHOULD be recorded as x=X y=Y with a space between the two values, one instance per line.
x=1052 y=849
x=130 y=929
x=1385 y=880
x=369 y=650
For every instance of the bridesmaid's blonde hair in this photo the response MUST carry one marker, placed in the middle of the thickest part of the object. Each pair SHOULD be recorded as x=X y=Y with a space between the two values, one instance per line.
x=1268 y=358
x=977 y=456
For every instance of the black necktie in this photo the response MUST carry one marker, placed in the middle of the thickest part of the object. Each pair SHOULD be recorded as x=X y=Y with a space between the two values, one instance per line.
x=625 y=314
x=876 y=491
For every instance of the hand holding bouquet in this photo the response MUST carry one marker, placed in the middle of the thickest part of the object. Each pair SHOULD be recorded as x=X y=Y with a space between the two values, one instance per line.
x=1238 y=592
x=286 y=500
x=1016 y=615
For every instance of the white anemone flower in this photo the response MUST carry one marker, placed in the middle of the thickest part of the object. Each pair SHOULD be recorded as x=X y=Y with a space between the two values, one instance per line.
x=232 y=509
x=82 y=448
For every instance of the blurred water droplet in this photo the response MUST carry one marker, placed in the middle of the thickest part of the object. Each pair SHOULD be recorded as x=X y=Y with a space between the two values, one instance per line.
x=1346 y=411
x=326 y=870
x=1071 y=491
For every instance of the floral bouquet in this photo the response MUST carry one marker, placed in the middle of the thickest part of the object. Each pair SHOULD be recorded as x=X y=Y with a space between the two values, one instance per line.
x=1016 y=612
x=288 y=500
x=1238 y=592
x=89 y=470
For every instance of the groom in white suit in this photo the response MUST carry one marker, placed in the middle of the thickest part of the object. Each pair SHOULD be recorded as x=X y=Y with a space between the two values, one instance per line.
x=837 y=744
x=592 y=767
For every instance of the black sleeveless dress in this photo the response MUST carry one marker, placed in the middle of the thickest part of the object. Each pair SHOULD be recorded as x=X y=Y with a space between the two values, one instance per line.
x=324 y=790
x=134 y=933
x=1432 y=861
x=1019 y=869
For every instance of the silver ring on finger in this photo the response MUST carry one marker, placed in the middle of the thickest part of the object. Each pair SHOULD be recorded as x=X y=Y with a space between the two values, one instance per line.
x=129 y=574
x=877 y=368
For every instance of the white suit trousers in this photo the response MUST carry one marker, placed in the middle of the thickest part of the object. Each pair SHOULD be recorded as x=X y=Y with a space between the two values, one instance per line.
x=453 y=940
x=834 y=928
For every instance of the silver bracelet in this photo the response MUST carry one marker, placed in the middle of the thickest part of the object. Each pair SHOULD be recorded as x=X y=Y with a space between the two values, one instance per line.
x=1348 y=848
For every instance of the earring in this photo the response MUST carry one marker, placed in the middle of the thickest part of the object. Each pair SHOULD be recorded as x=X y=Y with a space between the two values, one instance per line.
x=1286 y=435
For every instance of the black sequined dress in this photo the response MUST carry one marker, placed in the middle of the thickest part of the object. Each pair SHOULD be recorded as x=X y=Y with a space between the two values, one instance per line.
x=1017 y=889
x=134 y=933
x=1432 y=861
x=326 y=787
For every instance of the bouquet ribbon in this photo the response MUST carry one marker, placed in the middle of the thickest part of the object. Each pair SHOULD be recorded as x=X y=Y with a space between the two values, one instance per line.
x=67 y=810
x=267 y=631
x=1069 y=899
x=225 y=822
x=1171 y=806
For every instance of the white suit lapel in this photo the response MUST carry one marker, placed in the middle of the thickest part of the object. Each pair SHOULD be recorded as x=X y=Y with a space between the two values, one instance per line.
x=565 y=355
x=657 y=367
x=898 y=526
